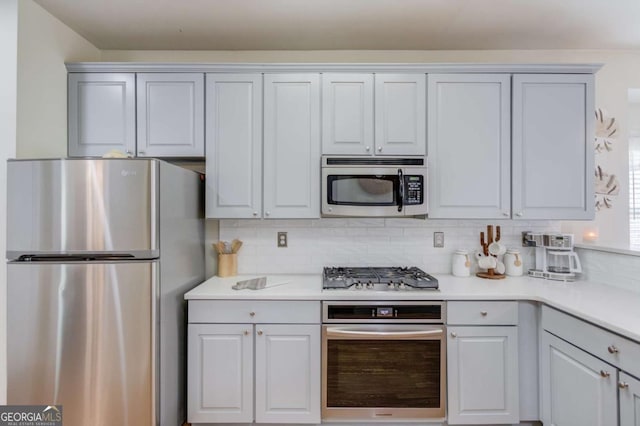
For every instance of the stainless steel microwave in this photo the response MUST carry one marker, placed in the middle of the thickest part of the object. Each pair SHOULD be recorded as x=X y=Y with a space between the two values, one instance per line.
x=374 y=186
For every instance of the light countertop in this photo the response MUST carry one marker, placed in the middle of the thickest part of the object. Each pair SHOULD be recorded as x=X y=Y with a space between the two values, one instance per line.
x=611 y=308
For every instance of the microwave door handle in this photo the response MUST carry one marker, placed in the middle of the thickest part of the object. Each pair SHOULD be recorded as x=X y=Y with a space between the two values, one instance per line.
x=400 y=190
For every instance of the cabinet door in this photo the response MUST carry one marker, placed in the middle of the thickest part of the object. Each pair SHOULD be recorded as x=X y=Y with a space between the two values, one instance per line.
x=287 y=373
x=220 y=373
x=102 y=115
x=234 y=146
x=170 y=115
x=629 y=401
x=482 y=367
x=577 y=388
x=553 y=156
x=291 y=146
x=401 y=102
x=469 y=122
x=347 y=114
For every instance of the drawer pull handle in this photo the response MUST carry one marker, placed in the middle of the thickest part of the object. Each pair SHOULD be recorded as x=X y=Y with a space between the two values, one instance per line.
x=623 y=385
x=612 y=349
x=483 y=313
x=454 y=335
x=604 y=374
x=253 y=314
x=259 y=332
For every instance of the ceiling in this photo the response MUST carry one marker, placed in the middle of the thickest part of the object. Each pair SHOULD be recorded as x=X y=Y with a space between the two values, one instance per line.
x=352 y=24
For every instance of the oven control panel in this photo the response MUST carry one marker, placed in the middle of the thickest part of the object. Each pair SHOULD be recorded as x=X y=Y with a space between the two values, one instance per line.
x=361 y=312
x=386 y=312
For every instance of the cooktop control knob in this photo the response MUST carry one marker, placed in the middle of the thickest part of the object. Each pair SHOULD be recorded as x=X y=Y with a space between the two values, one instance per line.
x=369 y=285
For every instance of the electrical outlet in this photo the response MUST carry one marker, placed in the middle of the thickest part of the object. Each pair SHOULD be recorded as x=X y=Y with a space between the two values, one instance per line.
x=282 y=239
x=438 y=239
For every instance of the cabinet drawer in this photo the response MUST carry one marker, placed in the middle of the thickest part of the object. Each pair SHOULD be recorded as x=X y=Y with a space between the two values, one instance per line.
x=254 y=311
x=482 y=313
x=616 y=350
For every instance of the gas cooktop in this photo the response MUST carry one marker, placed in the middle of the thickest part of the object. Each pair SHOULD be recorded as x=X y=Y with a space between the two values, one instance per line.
x=377 y=279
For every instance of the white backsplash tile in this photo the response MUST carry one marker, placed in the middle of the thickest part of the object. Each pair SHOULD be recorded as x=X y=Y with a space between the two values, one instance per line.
x=314 y=244
x=614 y=269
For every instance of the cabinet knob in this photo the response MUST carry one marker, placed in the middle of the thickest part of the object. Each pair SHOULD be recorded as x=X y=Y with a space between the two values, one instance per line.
x=368 y=148
x=253 y=314
x=259 y=332
x=128 y=152
x=379 y=149
x=612 y=349
x=255 y=213
x=454 y=335
x=520 y=214
x=604 y=374
x=267 y=213
x=246 y=332
x=483 y=313
x=623 y=385
x=505 y=214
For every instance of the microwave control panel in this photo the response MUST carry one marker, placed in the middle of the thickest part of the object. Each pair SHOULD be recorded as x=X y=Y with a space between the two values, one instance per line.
x=414 y=190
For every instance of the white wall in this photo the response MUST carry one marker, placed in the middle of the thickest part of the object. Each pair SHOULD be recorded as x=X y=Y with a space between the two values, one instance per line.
x=8 y=77
x=44 y=45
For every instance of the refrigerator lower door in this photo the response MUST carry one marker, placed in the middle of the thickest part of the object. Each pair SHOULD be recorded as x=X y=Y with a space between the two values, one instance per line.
x=82 y=335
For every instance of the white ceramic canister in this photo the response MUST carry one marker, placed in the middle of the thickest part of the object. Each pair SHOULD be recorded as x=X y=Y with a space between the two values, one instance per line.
x=460 y=263
x=513 y=262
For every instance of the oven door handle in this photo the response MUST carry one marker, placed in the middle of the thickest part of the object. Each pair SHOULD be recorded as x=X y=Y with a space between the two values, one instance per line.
x=338 y=332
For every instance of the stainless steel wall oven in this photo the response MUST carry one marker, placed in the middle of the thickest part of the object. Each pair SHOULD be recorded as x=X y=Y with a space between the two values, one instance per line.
x=383 y=360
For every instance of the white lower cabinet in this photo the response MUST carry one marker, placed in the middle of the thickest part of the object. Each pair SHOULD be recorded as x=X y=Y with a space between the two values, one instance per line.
x=482 y=367
x=577 y=388
x=629 y=400
x=220 y=373
x=287 y=373
x=262 y=372
x=581 y=389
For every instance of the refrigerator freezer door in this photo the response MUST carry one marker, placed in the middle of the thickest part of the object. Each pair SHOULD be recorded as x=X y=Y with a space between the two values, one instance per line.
x=81 y=335
x=80 y=206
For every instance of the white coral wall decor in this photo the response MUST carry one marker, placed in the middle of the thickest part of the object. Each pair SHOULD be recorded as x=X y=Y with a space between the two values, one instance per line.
x=606 y=131
x=607 y=185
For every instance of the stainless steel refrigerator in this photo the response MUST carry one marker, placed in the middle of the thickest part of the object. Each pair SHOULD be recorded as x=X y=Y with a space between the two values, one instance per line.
x=100 y=253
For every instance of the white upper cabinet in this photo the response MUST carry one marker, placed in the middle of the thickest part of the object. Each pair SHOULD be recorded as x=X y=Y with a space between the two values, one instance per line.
x=347 y=114
x=234 y=146
x=170 y=114
x=291 y=184
x=553 y=155
x=102 y=115
x=400 y=114
x=469 y=125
